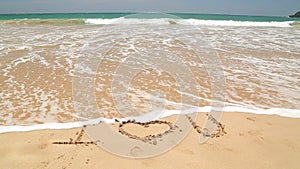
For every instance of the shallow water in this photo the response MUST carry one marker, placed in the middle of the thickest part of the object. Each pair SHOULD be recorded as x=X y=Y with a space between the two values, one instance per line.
x=47 y=70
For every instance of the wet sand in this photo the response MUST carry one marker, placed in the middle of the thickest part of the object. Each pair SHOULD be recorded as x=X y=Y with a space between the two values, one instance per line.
x=252 y=141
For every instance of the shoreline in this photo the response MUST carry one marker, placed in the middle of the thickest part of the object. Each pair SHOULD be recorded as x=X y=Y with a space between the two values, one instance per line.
x=252 y=141
x=288 y=113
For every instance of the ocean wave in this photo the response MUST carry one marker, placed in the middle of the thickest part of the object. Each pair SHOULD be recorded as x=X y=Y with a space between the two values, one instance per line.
x=158 y=21
x=196 y=22
x=239 y=23
x=292 y=113
x=295 y=24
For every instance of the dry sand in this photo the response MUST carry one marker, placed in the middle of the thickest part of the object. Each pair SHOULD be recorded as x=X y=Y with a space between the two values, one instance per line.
x=252 y=141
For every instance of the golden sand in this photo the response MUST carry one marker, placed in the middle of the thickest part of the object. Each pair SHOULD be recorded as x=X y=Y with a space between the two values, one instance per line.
x=252 y=141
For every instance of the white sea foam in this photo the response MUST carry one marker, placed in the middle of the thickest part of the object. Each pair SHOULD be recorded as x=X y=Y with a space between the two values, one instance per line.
x=237 y=23
x=153 y=116
x=101 y=21
x=131 y=21
x=167 y=21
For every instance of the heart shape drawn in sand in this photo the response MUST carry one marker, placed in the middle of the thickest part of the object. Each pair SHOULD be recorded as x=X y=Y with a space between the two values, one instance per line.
x=145 y=131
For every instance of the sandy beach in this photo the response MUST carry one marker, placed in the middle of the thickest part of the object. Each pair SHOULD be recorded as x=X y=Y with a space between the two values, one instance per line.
x=60 y=72
x=252 y=141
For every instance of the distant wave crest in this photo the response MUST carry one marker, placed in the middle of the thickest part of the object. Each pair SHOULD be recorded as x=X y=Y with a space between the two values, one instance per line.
x=159 y=21
x=196 y=22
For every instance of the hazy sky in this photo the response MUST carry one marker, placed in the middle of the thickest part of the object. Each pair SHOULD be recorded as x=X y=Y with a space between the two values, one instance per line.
x=244 y=7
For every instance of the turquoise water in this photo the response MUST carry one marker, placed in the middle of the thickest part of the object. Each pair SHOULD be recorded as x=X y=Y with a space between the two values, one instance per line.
x=117 y=15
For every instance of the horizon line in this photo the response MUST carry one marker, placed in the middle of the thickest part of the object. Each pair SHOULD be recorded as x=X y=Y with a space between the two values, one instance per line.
x=97 y=12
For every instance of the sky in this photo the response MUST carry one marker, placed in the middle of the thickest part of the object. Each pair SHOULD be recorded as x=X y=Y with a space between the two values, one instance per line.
x=235 y=7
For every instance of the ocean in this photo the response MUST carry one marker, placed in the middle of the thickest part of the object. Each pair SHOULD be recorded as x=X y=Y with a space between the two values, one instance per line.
x=68 y=70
